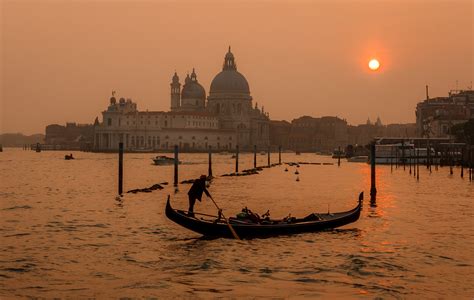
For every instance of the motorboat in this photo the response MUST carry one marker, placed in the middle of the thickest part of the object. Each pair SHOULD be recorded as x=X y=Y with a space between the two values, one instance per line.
x=162 y=160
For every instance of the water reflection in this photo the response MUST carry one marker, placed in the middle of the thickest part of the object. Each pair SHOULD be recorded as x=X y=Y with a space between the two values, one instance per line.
x=63 y=234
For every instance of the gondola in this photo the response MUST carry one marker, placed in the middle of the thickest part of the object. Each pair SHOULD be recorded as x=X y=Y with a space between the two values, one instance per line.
x=211 y=226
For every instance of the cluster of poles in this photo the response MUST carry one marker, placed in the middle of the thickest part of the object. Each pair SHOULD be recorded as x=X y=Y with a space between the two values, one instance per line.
x=445 y=155
x=209 y=172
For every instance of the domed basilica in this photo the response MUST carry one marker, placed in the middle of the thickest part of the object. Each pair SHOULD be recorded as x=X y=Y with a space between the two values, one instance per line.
x=225 y=120
x=229 y=99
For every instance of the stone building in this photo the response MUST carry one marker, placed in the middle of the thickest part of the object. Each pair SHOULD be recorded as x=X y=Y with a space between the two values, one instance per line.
x=70 y=136
x=225 y=120
x=435 y=116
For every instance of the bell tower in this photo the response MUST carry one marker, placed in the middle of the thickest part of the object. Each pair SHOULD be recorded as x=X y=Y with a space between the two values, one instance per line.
x=175 y=93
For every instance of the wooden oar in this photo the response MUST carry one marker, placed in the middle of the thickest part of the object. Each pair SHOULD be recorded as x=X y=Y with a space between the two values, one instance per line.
x=228 y=224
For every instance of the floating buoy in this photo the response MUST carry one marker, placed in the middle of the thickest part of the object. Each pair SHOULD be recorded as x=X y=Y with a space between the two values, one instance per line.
x=297 y=166
x=297 y=178
x=286 y=169
x=296 y=172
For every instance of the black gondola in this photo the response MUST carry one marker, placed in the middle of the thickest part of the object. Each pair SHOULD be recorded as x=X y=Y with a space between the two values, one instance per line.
x=218 y=227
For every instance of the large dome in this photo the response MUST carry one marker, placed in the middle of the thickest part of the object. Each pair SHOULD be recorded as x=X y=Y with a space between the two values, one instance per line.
x=229 y=81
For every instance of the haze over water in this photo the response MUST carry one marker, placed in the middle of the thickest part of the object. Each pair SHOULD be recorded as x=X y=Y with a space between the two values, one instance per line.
x=63 y=234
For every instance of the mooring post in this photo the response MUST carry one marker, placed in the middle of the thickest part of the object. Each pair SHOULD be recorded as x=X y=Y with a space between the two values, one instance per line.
x=428 y=154
x=176 y=162
x=237 y=159
x=403 y=154
x=254 y=156
x=396 y=158
x=391 y=159
x=462 y=162
x=410 y=159
x=373 y=189
x=470 y=163
x=339 y=156
x=279 y=155
x=417 y=164
x=451 y=160
x=120 y=170
x=414 y=162
x=268 y=156
x=209 y=171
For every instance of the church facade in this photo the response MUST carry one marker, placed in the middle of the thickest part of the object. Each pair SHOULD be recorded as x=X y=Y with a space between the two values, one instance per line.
x=222 y=120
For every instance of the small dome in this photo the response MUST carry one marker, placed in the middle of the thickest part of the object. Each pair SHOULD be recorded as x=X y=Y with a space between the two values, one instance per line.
x=113 y=100
x=193 y=90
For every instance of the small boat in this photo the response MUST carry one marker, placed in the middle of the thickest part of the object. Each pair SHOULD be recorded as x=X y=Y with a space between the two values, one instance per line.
x=162 y=160
x=263 y=153
x=213 y=226
x=362 y=158
x=68 y=157
x=233 y=156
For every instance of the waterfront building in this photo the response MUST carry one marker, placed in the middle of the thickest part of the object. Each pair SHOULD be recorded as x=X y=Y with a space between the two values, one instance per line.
x=225 y=120
x=435 y=116
x=70 y=136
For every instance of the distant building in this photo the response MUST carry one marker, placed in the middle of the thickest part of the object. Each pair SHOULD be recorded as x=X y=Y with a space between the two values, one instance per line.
x=435 y=116
x=226 y=120
x=309 y=134
x=71 y=136
x=326 y=134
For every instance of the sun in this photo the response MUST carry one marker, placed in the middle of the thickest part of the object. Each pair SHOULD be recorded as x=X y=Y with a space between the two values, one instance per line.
x=374 y=64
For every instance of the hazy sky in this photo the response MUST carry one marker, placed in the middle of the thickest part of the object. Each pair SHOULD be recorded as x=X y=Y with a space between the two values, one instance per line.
x=60 y=60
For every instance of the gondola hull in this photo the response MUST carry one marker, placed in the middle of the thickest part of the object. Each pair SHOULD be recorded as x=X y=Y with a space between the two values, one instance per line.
x=210 y=228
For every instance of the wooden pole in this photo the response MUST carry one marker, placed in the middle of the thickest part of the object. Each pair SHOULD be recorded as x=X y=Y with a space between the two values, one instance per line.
x=451 y=160
x=414 y=162
x=403 y=154
x=410 y=159
x=237 y=159
x=462 y=162
x=417 y=164
x=339 y=157
x=209 y=171
x=396 y=158
x=373 y=189
x=470 y=163
x=176 y=162
x=391 y=159
x=254 y=156
x=120 y=170
x=279 y=155
x=428 y=155
x=268 y=156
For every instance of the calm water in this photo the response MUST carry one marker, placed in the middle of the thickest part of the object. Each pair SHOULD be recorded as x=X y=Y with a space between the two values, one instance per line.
x=63 y=234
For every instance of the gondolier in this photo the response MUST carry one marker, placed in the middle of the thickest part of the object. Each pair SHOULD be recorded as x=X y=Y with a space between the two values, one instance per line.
x=195 y=192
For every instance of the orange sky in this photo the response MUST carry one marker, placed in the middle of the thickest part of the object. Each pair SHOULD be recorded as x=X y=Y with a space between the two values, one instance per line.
x=61 y=59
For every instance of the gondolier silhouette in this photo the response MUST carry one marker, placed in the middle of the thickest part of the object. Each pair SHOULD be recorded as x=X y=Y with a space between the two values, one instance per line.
x=195 y=192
